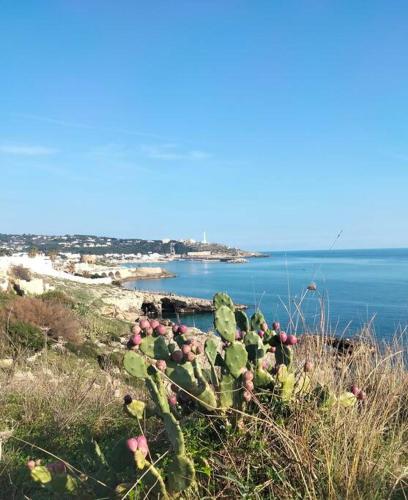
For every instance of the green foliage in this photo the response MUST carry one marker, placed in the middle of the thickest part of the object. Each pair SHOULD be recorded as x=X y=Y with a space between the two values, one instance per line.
x=24 y=336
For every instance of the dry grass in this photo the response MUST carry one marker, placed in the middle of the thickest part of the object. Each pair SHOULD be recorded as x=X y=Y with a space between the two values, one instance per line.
x=54 y=317
x=304 y=452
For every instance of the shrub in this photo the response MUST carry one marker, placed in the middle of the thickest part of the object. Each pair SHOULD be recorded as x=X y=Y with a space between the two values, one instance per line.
x=55 y=317
x=25 y=336
x=21 y=273
x=59 y=297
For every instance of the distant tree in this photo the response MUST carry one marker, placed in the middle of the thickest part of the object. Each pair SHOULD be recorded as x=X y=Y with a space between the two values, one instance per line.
x=33 y=251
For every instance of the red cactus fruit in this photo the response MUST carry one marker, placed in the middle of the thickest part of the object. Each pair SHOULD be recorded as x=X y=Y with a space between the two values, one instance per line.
x=247 y=396
x=132 y=444
x=161 y=365
x=127 y=399
x=154 y=324
x=57 y=467
x=175 y=329
x=190 y=357
x=183 y=329
x=249 y=385
x=272 y=349
x=308 y=366
x=261 y=333
x=283 y=337
x=144 y=323
x=173 y=400
x=142 y=445
x=136 y=329
x=247 y=376
x=161 y=330
x=136 y=339
x=183 y=397
x=31 y=464
x=355 y=390
x=186 y=349
x=149 y=331
x=276 y=326
x=174 y=387
x=291 y=340
x=177 y=356
x=361 y=396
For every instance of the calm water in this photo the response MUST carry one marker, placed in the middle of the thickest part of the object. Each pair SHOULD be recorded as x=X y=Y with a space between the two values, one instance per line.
x=356 y=285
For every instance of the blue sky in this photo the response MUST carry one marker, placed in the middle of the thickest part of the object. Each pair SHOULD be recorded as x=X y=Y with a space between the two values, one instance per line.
x=271 y=125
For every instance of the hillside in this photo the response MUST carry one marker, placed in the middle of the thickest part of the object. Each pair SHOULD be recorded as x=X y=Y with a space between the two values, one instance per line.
x=99 y=245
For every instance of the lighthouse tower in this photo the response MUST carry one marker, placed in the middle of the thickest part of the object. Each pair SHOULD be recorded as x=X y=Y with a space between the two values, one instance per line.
x=205 y=238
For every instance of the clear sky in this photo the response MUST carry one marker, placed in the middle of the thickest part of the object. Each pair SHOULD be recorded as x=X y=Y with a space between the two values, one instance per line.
x=269 y=124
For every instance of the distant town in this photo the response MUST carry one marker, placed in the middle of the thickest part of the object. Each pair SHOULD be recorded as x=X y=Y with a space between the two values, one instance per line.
x=118 y=249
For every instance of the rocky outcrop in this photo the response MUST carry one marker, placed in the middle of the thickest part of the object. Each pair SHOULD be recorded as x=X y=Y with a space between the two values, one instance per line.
x=117 y=302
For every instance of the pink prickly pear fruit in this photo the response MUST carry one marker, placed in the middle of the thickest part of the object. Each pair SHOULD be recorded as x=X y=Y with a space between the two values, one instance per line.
x=175 y=329
x=361 y=396
x=144 y=323
x=142 y=445
x=161 y=365
x=173 y=400
x=291 y=340
x=283 y=337
x=261 y=333
x=185 y=349
x=247 y=396
x=272 y=349
x=308 y=366
x=183 y=397
x=190 y=357
x=276 y=326
x=132 y=444
x=177 y=356
x=174 y=387
x=183 y=329
x=161 y=330
x=154 y=324
x=31 y=464
x=149 y=331
x=56 y=467
x=136 y=329
x=238 y=335
x=249 y=385
x=248 y=376
x=136 y=339
x=355 y=390
x=264 y=327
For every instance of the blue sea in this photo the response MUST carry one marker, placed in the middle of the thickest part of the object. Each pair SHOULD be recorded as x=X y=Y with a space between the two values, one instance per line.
x=354 y=287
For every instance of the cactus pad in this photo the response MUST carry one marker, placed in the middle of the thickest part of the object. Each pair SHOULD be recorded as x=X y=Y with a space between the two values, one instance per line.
x=236 y=358
x=135 y=365
x=257 y=320
x=242 y=321
x=155 y=347
x=223 y=299
x=227 y=391
x=181 y=474
x=211 y=348
x=225 y=323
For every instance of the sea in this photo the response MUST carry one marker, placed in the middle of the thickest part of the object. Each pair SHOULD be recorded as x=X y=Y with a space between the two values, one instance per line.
x=354 y=288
